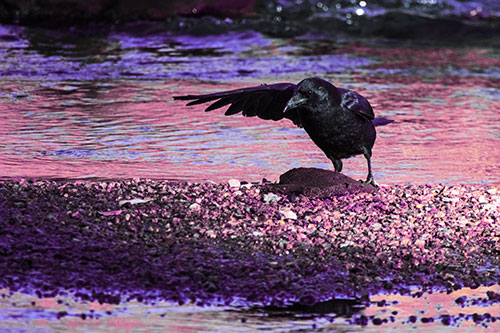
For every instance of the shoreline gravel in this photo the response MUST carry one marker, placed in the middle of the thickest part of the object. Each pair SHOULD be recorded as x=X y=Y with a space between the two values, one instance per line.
x=243 y=245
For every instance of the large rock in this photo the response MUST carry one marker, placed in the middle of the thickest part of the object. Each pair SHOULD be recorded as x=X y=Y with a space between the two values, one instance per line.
x=314 y=182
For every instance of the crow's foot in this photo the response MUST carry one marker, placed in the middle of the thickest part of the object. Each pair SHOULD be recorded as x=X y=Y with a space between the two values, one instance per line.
x=369 y=181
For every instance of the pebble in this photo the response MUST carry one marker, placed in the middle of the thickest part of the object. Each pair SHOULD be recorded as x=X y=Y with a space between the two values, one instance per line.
x=133 y=201
x=195 y=206
x=234 y=182
x=271 y=197
x=190 y=240
x=288 y=214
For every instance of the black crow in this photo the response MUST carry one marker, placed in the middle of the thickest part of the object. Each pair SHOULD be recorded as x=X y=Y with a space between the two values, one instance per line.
x=339 y=121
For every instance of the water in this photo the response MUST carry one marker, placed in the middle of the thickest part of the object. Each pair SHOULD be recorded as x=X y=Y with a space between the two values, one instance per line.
x=75 y=104
x=23 y=312
x=87 y=104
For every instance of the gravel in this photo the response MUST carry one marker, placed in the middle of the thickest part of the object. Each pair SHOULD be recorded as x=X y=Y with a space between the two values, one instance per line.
x=116 y=240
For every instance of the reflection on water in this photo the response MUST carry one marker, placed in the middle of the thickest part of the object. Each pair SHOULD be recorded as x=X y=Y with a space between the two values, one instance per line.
x=463 y=310
x=101 y=106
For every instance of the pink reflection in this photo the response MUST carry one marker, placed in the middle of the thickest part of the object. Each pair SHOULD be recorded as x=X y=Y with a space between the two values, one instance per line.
x=435 y=305
x=446 y=130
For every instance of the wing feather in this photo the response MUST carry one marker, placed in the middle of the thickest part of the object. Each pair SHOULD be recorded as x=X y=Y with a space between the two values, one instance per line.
x=220 y=103
x=235 y=107
x=356 y=103
x=264 y=101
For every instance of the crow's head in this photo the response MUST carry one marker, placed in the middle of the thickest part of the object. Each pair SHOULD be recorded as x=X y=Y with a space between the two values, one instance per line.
x=313 y=93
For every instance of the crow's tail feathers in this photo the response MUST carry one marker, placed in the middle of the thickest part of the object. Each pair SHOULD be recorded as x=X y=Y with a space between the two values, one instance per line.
x=381 y=121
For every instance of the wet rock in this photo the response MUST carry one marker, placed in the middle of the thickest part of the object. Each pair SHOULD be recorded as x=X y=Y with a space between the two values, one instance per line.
x=320 y=183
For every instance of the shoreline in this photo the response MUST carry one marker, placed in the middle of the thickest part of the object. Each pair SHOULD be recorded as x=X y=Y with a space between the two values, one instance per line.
x=217 y=244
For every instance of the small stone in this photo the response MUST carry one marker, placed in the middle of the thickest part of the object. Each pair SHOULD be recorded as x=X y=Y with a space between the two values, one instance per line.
x=405 y=241
x=288 y=214
x=420 y=242
x=347 y=243
x=134 y=201
x=492 y=191
x=271 y=197
x=234 y=182
x=195 y=206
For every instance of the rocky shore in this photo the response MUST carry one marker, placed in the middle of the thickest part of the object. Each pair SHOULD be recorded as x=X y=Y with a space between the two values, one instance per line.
x=245 y=244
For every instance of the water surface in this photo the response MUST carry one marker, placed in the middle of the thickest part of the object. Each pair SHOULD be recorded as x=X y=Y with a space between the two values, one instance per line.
x=91 y=106
x=79 y=104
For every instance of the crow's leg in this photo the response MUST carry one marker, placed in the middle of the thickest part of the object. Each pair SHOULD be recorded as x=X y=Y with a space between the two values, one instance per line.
x=337 y=164
x=369 y=177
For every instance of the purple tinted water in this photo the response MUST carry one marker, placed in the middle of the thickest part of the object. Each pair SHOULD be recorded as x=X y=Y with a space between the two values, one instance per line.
x=75 y=105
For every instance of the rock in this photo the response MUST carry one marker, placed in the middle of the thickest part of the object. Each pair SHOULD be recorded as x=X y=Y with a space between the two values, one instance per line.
x=420 y=243
x=314 y=182
x=234 y=182
x=195 y=206
x=134 y=201
x=288 y=214
x=270 y=197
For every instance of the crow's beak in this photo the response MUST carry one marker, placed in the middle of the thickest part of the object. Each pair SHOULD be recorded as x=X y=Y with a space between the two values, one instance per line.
x=294 y=102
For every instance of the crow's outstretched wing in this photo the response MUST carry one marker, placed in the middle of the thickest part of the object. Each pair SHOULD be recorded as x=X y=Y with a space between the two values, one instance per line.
x=356 y=103
x=265 y=101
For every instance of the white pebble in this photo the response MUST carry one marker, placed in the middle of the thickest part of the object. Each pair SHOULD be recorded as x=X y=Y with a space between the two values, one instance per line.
x=195 y=206
x=288 y=214
x=492 y=191
x=347 y=243
x=271 y=197
x=234 y=182
x=134 y=201
x=420 y=243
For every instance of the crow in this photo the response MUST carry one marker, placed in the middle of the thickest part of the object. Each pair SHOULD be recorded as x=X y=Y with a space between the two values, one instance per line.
x=340 y=122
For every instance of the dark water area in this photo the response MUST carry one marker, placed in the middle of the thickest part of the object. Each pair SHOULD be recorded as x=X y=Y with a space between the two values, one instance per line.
x=75 y=104
x=443 y=20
